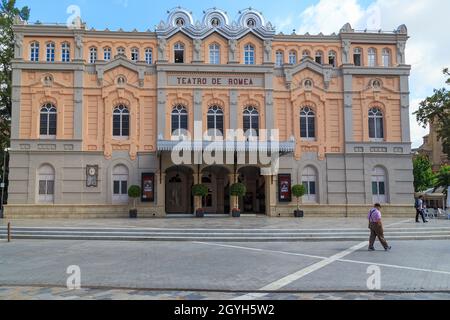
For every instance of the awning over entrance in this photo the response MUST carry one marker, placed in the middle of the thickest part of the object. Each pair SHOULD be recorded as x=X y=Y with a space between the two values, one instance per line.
x=226 y=146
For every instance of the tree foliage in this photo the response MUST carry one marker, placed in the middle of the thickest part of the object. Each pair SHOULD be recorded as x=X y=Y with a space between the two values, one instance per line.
x=436 y=110
x=443 y=177
x=424 y=177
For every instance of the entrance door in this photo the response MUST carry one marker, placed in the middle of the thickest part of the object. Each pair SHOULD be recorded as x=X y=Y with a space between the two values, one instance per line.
x=379 y=185
x=120 y=185
x=254 y=202
x=46 y=180
x=178 y=191
x=216 y=179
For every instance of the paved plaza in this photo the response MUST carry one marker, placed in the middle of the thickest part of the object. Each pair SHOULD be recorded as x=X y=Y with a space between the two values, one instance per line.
x=194 y=270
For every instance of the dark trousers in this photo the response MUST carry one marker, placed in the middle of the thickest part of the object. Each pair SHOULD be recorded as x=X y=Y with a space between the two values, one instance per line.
x=420 y=212
x=376 y=230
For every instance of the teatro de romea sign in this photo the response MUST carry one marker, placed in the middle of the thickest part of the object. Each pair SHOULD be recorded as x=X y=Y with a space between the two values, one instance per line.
x=215 y=80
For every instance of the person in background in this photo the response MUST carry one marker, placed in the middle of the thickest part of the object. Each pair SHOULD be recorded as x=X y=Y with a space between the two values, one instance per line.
x=420 y=210
x=376 y=228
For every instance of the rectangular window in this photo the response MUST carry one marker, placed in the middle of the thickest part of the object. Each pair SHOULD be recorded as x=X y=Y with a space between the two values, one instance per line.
x=311 y=128
x=66 y=55
x=124 y=187
x=381 y=188
x=357 y=59
x=374 y=188
x=312 y=188
x=116 y=187
x=42 y=187
x=125 y=125
x=107 y=55
x=50 y=54
x=332 y=61
x=179 y=56
x=116 y=126
x=52 y=125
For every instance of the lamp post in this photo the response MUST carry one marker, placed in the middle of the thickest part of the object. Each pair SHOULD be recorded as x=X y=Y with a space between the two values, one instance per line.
x=3 y=179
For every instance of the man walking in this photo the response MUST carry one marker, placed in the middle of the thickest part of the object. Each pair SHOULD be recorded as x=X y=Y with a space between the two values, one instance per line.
x=376 y=228
x=420 y=210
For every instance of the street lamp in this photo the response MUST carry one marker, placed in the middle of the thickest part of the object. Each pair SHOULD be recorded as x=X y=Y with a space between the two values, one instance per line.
x=3 y=179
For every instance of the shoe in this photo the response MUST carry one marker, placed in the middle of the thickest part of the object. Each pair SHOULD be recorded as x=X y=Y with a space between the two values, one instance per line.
x=426 y=221
x=417 y=221
x=388 y=248
x=371 y=249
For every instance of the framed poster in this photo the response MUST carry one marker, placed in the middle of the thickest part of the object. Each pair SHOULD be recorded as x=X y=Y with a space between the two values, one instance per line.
x=284 y=188
x=148 y=187
x=91 y=176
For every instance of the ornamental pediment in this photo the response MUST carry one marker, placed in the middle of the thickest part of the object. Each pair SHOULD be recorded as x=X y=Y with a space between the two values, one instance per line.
x=215 y=20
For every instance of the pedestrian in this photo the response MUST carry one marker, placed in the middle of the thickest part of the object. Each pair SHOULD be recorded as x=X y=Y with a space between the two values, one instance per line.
x=376 y=228
x=420 y=210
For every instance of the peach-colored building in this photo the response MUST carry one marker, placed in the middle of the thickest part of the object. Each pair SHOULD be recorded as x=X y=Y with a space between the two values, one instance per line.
x=97 y=111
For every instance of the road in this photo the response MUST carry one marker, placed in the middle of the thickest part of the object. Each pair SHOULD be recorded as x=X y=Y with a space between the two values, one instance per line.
x=209 y=270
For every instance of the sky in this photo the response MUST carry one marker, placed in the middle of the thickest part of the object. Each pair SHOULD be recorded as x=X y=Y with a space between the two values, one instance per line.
x=428 y=50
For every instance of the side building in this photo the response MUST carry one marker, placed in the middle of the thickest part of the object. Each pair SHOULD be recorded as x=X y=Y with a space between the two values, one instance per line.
x=97 y=111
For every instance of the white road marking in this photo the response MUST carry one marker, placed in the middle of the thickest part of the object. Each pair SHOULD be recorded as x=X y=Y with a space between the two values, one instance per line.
x=277 y=285
x=324 y=258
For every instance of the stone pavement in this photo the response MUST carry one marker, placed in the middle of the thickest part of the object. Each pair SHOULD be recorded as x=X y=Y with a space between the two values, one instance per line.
x=52 y=293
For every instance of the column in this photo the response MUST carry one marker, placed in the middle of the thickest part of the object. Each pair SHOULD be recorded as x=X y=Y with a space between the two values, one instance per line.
x=16 y=93
x=161 y=194
x=78 y=106
x=271 y=195
x=233 y=109
x=404 y=92
x=348 y=107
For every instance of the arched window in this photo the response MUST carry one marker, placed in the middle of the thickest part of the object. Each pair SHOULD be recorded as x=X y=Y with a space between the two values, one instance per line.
x=332 y=58
x=376 y=124
x=319 y=57
x=215 y=120
x=179 y=52
x=372 y=57
x=121 y=122
x=386 y=58
x=51 y=52
x=65 y=52
x=121 y=51
x=293 y=57
x=135 y=54
x=34 y=51
x=305 y=54
x=48 y=121
x=307 y=123
x=107 y=54
x=251 y=121
x=309 y=181
x=120 y=184
x=279 y=55
x=92 y=55
x=249 y=54
x=214 y=54
x=379 y=185
x=46 y=184
x=357 y=57
x=149 y=56
x=179 y=120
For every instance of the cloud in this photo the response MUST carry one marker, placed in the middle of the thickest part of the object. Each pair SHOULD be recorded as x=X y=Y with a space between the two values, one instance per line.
x=428 y=50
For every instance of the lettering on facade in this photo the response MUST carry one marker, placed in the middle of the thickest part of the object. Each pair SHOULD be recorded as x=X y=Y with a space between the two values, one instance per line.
x=216 y=81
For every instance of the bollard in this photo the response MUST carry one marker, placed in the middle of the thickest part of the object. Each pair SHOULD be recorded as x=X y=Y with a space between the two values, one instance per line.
x=9 y=231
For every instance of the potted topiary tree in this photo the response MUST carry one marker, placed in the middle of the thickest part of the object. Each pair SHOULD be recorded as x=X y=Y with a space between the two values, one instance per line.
x=134 y=192
x=237 y=190
x=199 y=191
x=298 y=191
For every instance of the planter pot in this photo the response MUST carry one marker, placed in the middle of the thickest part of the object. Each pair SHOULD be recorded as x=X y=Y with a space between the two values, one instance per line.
x=199 y=213
x=236 y=213
x=299 y=213
x=133 y=214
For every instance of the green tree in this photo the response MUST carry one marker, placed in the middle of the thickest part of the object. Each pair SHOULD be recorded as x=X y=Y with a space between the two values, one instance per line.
x=8 y=14
x=436 y=110
x=424 y=177
x=443 y=178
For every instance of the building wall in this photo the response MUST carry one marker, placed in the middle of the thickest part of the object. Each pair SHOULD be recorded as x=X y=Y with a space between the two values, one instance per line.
x=85 y=95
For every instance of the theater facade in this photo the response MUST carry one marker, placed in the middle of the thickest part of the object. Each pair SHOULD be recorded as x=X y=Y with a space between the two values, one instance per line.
x=95 y=112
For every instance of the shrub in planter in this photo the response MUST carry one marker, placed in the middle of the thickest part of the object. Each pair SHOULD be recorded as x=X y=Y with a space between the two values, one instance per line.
x=199 y=191
x=298 y=191
x=134 y=192
x=237 y=190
